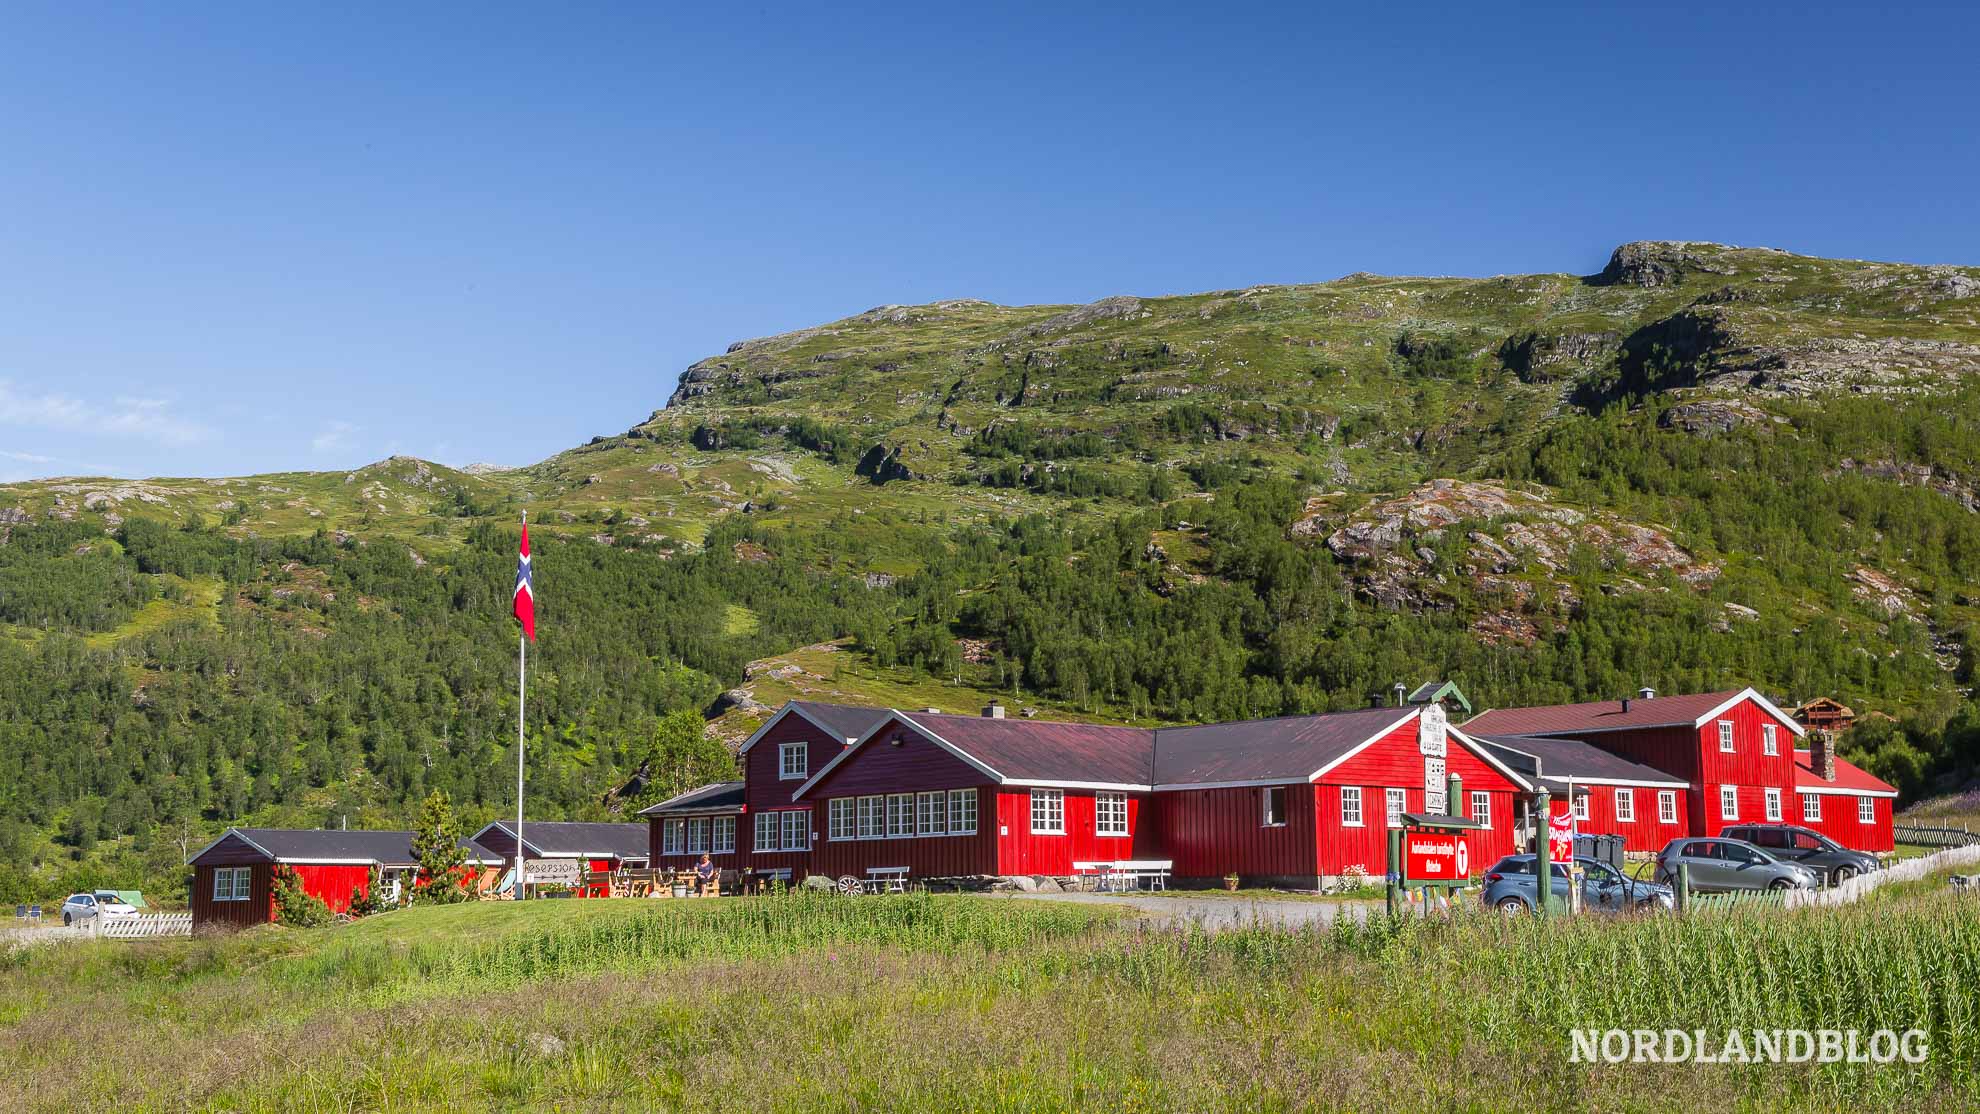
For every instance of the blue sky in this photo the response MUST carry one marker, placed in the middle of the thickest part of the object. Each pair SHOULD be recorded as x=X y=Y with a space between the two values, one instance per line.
x=247 y=239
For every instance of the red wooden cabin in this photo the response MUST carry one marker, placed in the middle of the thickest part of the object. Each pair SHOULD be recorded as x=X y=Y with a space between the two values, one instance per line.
x=1611 y=794
x=1842 y=801
x=1734 y=750
x=700 y=821
x=234 y=876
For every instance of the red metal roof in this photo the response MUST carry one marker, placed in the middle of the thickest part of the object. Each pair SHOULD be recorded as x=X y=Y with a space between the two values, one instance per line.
x=1290 y=748
x=1850 y=778
x=1560 y=759
x=1600 y=715
x=1045 y=750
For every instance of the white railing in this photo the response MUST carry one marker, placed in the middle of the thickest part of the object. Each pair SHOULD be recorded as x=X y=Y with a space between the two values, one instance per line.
x=1910 y=870
x=146 y=925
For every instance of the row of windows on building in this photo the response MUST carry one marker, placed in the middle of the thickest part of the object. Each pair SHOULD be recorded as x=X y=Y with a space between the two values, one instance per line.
x=1811 y=806
x=1395 y=802
x=712 y=835
x=1770 y=737
x=901 y=815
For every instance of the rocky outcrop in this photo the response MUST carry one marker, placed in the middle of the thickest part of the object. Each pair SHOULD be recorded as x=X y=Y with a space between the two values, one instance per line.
x=1710 y=416
x=1102 y=310
x=1654 y=263
x=882 y=464
x=1542 y=358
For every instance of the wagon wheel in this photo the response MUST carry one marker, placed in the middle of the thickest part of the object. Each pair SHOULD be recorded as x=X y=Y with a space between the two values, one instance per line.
x=849 y=885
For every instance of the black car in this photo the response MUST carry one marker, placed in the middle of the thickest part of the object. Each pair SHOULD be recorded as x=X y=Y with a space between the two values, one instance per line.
x=1808 y=847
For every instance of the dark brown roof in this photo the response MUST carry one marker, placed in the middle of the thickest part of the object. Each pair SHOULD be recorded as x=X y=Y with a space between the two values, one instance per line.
x=723 y=795
x=850 y=720
x=333 y=846
x=1600 y=715
x=564 y=838
x=1043 y=750
x=1290 y=748
x=1560 y=759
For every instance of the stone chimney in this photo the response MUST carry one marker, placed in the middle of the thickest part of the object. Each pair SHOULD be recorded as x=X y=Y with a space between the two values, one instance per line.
x=994 y=711
x=1822 y=754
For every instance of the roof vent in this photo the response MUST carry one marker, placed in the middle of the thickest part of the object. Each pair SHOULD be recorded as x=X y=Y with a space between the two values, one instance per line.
x=1402 y=693
x=931 y=711
x=1647 y=693
x=994 y=711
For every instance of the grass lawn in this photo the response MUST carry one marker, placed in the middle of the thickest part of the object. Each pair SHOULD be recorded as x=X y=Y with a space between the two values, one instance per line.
x=814 y=1002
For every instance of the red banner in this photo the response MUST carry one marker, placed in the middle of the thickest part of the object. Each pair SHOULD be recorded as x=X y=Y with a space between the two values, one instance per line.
x=1435 y=857
x=1560 y=835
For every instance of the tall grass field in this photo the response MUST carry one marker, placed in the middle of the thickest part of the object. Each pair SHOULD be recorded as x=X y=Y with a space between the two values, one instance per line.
x=816 y=1002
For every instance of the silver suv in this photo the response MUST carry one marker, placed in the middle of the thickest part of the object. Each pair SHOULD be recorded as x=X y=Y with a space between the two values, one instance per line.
x=1715 y=864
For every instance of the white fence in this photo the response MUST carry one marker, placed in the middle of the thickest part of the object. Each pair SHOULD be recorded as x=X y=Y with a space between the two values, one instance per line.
x=145 y=925
x=1910 y=870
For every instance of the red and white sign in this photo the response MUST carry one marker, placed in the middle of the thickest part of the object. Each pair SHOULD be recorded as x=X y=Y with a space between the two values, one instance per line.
x=1435 y=857
x=1560 y=836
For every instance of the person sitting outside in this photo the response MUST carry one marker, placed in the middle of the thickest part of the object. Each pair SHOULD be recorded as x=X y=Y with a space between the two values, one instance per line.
x=705 y=876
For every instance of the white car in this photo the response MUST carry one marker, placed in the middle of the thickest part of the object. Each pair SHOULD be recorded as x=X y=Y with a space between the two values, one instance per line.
x=83 y=908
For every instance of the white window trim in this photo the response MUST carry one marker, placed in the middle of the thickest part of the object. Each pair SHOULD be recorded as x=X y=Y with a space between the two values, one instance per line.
x=1811 y=809
x=1773 y=803
x=1265 y=816
x=1725 y=736
x=1351 y=793
x=1583 y=806
x=1625 y=806
x=955 y=824
x=842 y=818
x=697 y=836
x=1770 y=738
x=1395 y=802
x=723 y=840
x=1053 y=800
x=931 y=813
x=1667 y=806
x=900 y=816
x=672 y=834
x=784 y=752
x=1481 y=807
x=1728 y=802
x=1109 y=807
x=1866 y=810
x=239 y=883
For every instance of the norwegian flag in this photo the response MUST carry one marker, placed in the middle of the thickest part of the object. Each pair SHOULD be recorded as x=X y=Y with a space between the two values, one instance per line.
x=525 y=593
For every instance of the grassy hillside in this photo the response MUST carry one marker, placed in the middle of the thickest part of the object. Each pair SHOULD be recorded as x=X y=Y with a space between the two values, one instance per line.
x=974 y=1003
x=1704 y=466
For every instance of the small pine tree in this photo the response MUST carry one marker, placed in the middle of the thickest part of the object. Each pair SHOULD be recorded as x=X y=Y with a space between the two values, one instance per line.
x=436 y=843
x=294 y=905
x=369 y=898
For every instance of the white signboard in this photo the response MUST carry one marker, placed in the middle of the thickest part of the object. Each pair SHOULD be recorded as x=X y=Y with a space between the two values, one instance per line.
x=1435 y=788
x=552 y=872
x=1430 y=731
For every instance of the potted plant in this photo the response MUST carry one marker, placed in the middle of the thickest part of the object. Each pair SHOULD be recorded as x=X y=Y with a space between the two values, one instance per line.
x=1231 y=881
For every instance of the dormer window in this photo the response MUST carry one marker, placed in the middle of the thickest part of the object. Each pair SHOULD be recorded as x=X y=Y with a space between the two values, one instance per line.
x=792 y=762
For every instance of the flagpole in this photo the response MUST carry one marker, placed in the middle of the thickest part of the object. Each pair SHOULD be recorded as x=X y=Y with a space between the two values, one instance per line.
x=522 y=689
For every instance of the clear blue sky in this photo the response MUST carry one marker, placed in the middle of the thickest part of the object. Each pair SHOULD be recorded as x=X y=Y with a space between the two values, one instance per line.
x=243 y=239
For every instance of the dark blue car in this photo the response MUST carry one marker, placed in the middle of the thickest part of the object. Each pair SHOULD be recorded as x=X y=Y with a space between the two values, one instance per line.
x=1509 y=887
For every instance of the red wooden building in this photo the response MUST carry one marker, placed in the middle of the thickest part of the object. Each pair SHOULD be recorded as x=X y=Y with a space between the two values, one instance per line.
x=1608 y=794
x=1841 y=800
x=599 y=847
x=701 y=821
x=234 y=876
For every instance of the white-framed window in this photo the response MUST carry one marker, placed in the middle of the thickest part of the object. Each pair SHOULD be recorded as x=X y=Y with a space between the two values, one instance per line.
x=962 y=812
x=1811 y=808
x=1110 y=814
x=1397 y=801
x=1272 y=806
x=1770 y=739
x=931 y=814
x=1481 y=807
x=1866 y=810
x=1728 y=802
x=673 y=837
x=797 y=830
x=900 y=815
x=233 y=883
x=872 y=817
x=1625 y=806
x=1350 y=806
x=1048 y=812
x=1581 y=805
x=1773 y=797
x=839 y=822
x=1667 y=806
x=697 y=836
x=723 y=841
x=1726 y=735
x=792 y=762
x=768 y=833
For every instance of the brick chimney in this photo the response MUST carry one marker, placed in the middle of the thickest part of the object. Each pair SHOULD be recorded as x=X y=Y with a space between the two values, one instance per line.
x=1822 y=754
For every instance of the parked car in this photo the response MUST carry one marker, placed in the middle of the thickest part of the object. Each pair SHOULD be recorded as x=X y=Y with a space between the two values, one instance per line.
x=1509 y=887
x=1718 y=864
x=1808 y=847
x=82 y=908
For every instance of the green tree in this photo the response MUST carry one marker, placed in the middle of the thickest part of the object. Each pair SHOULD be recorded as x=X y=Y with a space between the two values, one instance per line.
x=296 y=906
x=436 y=844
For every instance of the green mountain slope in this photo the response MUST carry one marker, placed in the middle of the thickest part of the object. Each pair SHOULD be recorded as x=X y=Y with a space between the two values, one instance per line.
x=1704 y=465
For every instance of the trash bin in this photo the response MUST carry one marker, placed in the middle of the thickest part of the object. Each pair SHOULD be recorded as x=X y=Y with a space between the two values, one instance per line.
x=1602 y=848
